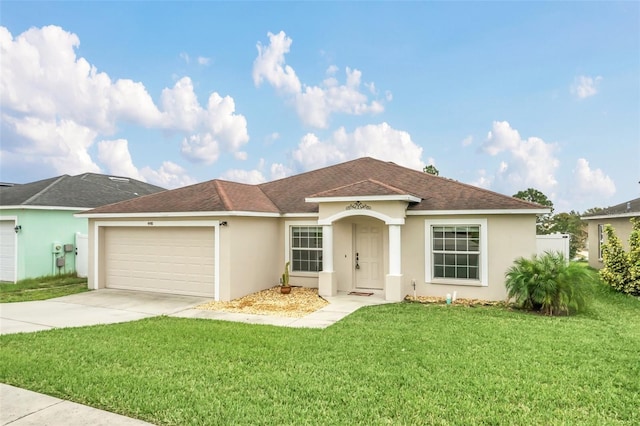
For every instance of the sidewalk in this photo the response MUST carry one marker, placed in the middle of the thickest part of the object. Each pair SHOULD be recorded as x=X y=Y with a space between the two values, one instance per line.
x=21 y=407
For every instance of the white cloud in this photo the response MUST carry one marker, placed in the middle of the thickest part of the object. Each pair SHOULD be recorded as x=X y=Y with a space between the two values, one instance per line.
x=279 y=171
x=483 y=180
x=269 y=65
x=201 y=148
x=532 y=161
x=117 y=159
x=252 y=177
x=379 y=141
x=44 y=85
x=314 y=104
x=170 y=175
x=584 y=86
x=591 y=183
x=203 y=61
x=240 y=155
x=467 y=141
x=185 y=57
x=270 y=139
x=115 y=156
x=60 y=145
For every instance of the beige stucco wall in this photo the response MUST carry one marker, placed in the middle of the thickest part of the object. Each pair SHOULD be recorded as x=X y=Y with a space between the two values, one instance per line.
x=251 y=259
x=622 y=228
x=510 y=237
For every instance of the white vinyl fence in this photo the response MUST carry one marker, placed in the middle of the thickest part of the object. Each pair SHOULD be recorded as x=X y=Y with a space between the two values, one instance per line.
x=553 y=242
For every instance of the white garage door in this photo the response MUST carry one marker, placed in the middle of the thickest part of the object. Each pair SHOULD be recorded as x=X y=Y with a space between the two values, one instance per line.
x=7 y=251
x=176 y=260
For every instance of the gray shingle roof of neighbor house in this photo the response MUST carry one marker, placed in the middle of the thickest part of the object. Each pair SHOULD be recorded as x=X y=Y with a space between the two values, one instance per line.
x=363 y=176
x=87 y=190
x=628 y=208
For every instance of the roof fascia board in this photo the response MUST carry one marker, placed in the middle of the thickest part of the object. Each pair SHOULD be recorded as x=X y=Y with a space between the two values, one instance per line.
x=399 y=197
x=476 y=212
x=612 y=216
x=28 y=207
x=176 y=214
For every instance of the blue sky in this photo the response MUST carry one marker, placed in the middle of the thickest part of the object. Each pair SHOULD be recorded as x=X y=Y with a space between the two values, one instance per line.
x=502 y=95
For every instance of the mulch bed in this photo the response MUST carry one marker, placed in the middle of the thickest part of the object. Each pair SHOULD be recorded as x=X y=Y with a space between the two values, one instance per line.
x=459 y=301
x=299 y=303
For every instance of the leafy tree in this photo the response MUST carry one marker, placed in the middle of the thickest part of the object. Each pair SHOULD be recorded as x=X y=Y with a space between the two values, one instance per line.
x=549 y=284
x=621 y=269
x=570 y=223
x=534 y=196
x=431 y=169
x=593 y=211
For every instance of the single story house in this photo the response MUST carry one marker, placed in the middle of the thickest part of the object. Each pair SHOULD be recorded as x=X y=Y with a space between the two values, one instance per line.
x=38 y=229
x=364 y=225
x=619 y=217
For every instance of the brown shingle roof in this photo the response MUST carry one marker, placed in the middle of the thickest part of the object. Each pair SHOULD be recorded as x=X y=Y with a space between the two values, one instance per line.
x=364 y=176
x=628 y=207
x=364 y=187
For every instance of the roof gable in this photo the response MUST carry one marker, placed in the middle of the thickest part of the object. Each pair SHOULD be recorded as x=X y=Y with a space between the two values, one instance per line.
x=362 y=188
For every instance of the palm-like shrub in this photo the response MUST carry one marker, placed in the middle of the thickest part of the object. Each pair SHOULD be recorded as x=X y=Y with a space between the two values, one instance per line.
x=549 y=284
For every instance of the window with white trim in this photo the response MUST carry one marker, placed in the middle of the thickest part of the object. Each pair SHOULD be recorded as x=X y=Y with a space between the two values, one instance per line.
x=600 y=240
x=456 y=251
x=306 y=248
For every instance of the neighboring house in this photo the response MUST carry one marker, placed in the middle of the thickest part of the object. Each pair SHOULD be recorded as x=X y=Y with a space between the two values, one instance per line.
x=37 y=224
x=619 y=217
x=364 y=225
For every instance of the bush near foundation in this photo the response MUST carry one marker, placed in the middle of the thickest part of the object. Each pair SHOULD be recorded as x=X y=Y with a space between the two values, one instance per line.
x=549 y=284
x=621 y=269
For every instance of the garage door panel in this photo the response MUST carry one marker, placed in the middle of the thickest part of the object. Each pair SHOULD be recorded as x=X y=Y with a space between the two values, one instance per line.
x=177 y=260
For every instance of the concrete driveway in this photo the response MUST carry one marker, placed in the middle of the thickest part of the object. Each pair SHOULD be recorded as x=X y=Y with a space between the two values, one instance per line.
x=106 y=306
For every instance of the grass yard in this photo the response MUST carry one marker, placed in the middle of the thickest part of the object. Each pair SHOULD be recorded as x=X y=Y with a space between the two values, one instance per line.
x=403 y=363
x=42 y=288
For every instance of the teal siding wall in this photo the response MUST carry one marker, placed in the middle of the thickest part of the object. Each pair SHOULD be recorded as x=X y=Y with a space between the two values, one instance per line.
x=40 y=229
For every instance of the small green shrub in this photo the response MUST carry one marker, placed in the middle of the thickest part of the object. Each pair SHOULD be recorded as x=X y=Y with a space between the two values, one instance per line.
x=549 y=284
x=621 y=270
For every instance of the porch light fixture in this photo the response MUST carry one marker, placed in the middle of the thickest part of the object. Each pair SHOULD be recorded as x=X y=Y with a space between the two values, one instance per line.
x=17 y=228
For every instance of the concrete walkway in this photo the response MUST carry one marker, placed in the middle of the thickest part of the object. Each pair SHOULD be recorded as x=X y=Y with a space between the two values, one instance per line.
x=20 y=407
x=339 y=307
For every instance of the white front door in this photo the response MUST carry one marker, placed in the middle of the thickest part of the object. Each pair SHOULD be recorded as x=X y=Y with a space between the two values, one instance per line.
x=369 y=271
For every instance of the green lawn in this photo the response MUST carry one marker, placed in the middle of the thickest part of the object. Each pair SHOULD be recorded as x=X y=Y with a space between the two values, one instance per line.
x=403 y=363
x=42 y=288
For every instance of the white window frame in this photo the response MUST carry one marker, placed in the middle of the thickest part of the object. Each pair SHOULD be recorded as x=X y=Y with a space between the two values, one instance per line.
x=483 y=281
x=288 y=250
x=600 y=240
